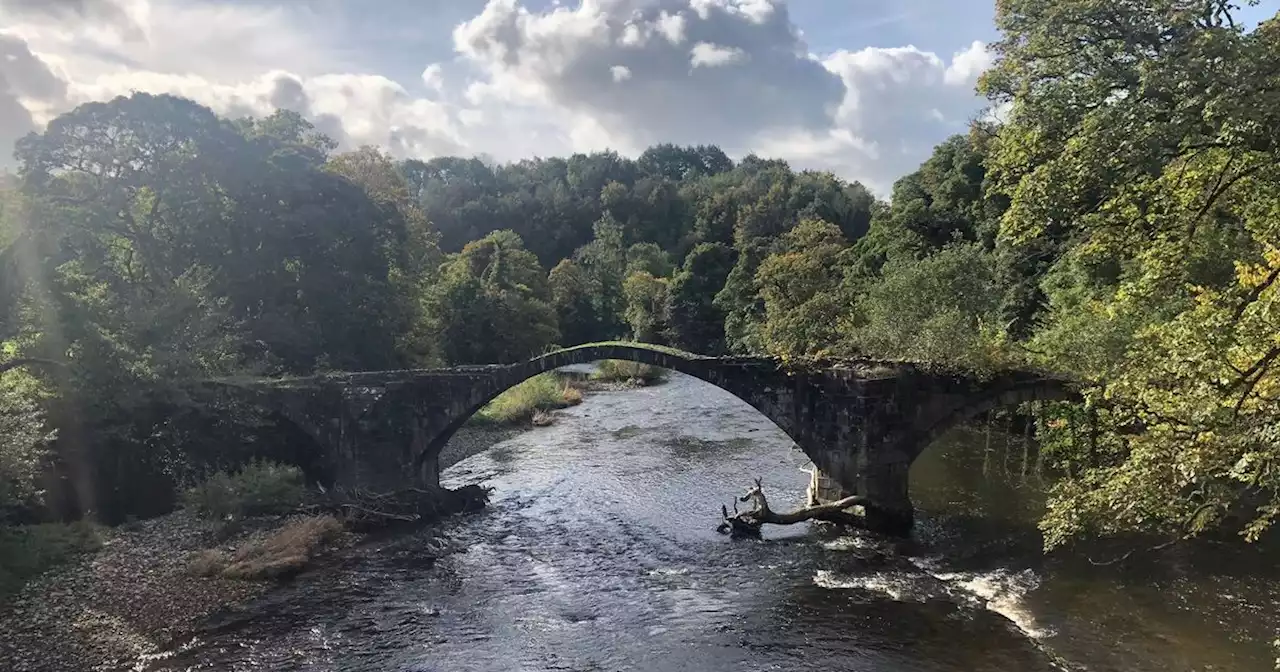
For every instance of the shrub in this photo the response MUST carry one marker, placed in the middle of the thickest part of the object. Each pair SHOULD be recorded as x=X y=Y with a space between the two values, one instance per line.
x=519 y=404
x=260 y=488
x=618 y=370
x=286 y=552
x=23 y=444
x=28 y=550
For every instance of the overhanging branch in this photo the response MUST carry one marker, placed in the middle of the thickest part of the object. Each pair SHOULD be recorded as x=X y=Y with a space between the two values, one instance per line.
x=30 y=361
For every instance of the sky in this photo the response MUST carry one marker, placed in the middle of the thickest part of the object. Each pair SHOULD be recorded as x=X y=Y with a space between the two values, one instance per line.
x=863 y=88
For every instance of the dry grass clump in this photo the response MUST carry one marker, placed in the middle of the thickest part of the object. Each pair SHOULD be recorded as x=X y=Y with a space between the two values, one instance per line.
x=284 y=553
x=571 y=395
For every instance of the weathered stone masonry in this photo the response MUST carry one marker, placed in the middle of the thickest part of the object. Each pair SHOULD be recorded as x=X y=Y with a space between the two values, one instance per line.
x=861 y=422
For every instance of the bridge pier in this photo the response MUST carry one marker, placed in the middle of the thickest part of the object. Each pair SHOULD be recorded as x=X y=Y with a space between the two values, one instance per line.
x=887 y=484
x=429 y=470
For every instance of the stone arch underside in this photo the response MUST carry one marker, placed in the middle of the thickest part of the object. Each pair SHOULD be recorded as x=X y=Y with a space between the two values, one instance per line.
x=304 y=413
x=740 y=378
x=972 y=406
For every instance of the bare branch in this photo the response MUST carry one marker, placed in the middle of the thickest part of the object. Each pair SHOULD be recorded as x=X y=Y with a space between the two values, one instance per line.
x=748 y=523
x=30 y=361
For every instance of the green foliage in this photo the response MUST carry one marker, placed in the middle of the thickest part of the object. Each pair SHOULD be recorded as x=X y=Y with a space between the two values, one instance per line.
x=27 y=551
x=646 y=300
x=544 y=392
x=799 y=287
x=624 y=371
x=942 y=308
x=24 y=440
x=648 y=258
x=573 y=295
x=1139 y=158
x=693 y=320
x=493 y=287
x=604 y=260
x=259 y=488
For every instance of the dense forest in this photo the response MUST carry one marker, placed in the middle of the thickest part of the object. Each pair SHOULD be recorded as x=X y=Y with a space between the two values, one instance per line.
x=1116 y=219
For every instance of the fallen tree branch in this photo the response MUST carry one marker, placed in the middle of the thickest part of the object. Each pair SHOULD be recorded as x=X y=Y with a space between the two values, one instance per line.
x=748 y=523
x=363 y=510
x=355 y=508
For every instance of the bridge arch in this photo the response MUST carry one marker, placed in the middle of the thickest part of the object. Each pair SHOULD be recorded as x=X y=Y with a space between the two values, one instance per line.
x=491 y=381
x=1000 y=396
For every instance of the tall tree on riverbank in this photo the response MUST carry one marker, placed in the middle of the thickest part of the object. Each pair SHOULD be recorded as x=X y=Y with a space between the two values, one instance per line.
x=492 y=303
x=1146 y=136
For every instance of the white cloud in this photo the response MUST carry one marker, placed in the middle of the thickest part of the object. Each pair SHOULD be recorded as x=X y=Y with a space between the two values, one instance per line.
x=526 y=82
x=757 y=11
x=711 y=55
x=671 y=26
x=967 y=65
x=561 y=60
x=26 y=82
x=243 y=60
x=433 y=77
x=899 y=103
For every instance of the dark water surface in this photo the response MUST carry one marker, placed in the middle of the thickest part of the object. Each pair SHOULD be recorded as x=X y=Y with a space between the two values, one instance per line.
x=599 y=553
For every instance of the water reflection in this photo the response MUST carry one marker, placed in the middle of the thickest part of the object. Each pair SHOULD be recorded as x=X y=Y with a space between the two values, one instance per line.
x=1206 y=608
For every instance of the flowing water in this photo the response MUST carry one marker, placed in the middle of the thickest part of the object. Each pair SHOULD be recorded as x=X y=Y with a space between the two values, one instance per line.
x=599 y=552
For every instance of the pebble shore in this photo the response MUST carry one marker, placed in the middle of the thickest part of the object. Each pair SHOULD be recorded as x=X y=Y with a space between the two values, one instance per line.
x=111 y=610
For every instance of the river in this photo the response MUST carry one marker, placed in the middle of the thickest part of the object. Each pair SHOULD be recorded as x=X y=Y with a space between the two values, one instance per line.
x=599 y=552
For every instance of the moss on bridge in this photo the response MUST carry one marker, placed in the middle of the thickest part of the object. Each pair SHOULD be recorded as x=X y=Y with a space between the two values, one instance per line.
x=636 y=345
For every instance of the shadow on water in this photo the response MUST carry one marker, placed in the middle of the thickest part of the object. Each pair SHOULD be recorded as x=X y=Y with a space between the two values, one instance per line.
x=1198 y=607
x=598 y=552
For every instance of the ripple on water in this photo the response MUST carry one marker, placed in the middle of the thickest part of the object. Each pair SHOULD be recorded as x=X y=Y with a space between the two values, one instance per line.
x=1002 y=591
x=894 y=585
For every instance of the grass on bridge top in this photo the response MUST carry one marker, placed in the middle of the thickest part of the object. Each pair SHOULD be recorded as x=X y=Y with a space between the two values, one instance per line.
x=675 y=352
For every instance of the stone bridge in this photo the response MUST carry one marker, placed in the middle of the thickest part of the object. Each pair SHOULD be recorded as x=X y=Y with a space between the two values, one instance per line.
x=861 y=422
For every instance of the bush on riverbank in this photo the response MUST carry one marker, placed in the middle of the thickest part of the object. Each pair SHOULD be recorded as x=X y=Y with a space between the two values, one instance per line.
x=285 y=552
x=259 y=488
x=623 y=371
x=521 y=403
x=26 y=551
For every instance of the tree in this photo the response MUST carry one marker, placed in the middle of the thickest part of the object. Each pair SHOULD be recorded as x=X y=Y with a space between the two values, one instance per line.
x=694 y=323
x=605 y=261
x=24 y=440
x=573 y=294
x=493 y=287
x=682 y=163
x=646 y=298
x=757 y=227
x=411 y=245
x=799 y=287
x=1145 y=136
x=942 y=308
x=650 y=258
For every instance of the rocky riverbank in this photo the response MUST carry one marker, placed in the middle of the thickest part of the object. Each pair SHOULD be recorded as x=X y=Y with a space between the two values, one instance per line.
x=137 y=594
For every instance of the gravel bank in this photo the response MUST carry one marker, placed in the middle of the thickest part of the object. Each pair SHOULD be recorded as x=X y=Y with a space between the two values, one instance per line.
x=474 y=440
x=108 y=610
